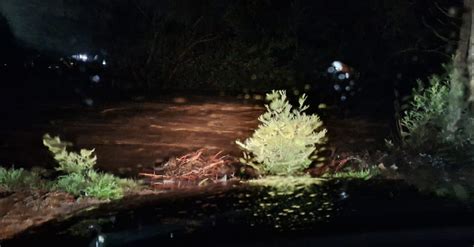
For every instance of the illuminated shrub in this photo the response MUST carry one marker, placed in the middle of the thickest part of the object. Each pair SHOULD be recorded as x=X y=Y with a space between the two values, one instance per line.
x=287 y=140
x=80 y=178
x=69 y=162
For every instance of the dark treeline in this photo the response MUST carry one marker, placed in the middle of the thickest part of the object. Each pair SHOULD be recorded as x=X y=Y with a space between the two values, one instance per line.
x=257 y=44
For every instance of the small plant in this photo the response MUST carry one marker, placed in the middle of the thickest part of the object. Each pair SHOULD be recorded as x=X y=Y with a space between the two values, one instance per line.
x=104 y=186
x=426 y=113
x=80 y=178
x=16 y=179
x=74 y=183
x=93 y=184
x=69 y=162
x=287 y=140
x=10 y=178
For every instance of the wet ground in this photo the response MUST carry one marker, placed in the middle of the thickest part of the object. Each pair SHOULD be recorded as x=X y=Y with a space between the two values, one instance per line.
x=22 y=210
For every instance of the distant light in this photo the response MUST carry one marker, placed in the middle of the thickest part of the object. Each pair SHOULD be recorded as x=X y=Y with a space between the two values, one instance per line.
x=453 y=12
x=337 y=87
x=81 y=57
x=95 y=78
x=89 y=102
x=104 y=63
x=348 y=88
x=337 y=65
x=101 y=238
x=343 y=195
x=343 y=98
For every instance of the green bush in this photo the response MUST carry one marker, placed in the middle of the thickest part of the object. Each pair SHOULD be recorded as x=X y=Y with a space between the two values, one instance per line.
x=80 y=178
x=93 y=184
x=439 y=117
x=69 y=162
x=427 y=109
x=104 y=186
x=287 y=140
x=74 y=183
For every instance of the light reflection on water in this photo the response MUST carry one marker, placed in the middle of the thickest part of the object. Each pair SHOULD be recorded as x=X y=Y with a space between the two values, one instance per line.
x=235 y=210
x=248 y=207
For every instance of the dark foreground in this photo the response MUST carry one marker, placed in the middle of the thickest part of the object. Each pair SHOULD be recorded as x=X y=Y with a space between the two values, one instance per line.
x=337 y=213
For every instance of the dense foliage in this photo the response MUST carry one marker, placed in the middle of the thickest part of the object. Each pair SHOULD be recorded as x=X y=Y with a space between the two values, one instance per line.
x=287 y=140
x=427 y=109
x=439 y=119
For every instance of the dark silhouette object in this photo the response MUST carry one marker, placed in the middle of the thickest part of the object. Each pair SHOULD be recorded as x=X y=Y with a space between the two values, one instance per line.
x=344 y=84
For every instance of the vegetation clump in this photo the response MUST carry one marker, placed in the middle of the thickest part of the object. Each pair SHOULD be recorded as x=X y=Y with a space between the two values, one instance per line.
x=16 y=179
x=439 y=118
x=427 y=110
x=80 y=178
x=287 y=141
x=69 y=162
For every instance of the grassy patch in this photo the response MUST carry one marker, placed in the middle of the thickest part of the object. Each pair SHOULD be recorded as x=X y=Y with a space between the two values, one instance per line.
x=17 y=179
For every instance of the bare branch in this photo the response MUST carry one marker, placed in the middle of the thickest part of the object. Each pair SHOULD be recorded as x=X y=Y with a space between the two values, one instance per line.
x=435 y=32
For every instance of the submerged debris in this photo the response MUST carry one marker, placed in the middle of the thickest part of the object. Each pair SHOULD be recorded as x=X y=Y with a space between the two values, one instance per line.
x=196 y=168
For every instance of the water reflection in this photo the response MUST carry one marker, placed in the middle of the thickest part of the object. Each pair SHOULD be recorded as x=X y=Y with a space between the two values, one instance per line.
x=291 y=209
x=242 y=212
